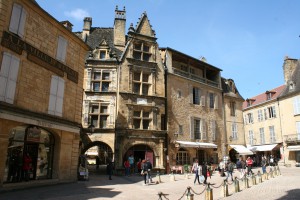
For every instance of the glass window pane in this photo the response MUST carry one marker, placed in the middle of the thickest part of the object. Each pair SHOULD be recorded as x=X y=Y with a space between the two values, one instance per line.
x=95 y=109
x=105 y=76
x=104 y=109
x=105 y=87
x=137 y=55
x=136 y=88
x=103 y=121
x=145 y=90
x=96 y=86
x=145 y=78
x=94 y=120
x=137 y=76
x=137 y=113
x=97 y=75
x=136 y=123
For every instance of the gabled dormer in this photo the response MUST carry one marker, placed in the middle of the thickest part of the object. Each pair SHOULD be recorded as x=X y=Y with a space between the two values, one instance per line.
x=269 y=94
x=143 y=40
x=250 y=102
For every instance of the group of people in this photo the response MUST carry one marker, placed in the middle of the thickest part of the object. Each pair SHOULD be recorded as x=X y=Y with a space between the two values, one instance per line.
x=19 y=167
x=201 y=171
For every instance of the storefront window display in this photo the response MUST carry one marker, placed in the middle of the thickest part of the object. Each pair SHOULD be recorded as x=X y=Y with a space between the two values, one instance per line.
x=29 y=154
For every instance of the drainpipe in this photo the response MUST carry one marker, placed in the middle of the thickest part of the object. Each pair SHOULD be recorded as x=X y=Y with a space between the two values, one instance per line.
x=281 y=131
x=166 y=111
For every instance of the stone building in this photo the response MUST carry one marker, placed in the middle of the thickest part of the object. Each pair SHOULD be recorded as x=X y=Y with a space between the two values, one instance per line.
x=125 y=74
x=195 y=115
x=41 y=78
x=289 y=104
x=234 y=123
x=262 y=122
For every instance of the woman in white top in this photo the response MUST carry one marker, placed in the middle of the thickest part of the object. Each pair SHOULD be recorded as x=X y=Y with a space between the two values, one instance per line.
x=196 y=168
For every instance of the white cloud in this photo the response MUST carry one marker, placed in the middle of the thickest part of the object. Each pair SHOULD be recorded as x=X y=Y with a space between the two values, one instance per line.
x=77 y=14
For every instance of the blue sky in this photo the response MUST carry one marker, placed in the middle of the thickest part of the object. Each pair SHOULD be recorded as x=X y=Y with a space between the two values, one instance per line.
x=247 y=39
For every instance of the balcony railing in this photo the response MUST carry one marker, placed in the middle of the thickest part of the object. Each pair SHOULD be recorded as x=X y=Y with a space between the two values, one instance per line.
x=195 y=77
x=292 y=138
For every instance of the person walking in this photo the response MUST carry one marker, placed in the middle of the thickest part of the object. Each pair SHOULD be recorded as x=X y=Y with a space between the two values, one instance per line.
x=222 y=168
x=149 y=165
x=109 y=169
x=240 y=166
x=131 y=162
x=139 y=166
x=97 y=162
x=196 y=168
x=204 y=171
x=264 y=165
x=127 y=168
x=230 y=168
x=249 y=163
x=144 y=171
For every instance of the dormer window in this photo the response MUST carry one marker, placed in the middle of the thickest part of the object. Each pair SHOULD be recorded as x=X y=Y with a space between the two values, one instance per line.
x=269 y=94
x=102 y=54
x=291 y=86
x=249 y=102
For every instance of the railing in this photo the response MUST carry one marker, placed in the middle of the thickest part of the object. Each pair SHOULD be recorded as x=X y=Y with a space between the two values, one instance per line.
x=292 y=138
x=195 y=77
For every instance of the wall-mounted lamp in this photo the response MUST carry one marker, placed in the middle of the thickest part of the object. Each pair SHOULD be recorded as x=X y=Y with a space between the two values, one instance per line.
x=230 y=138
x=91 y=129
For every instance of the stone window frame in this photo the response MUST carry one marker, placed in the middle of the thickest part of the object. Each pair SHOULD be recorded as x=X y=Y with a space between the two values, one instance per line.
x=100 y=117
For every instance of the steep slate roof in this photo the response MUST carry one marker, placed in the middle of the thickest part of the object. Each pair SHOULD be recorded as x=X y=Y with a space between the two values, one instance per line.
x=261 y=98
x=295 y=78
x=97 y=35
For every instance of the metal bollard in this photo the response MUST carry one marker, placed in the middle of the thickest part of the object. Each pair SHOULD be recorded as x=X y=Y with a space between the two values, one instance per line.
x=246 y=182
x=208 y=193
x=224 y=191
x=236 y=185
x=253 y=180
x=172 y=177
x=189 y=195
x=186 y=176
x=158 y=178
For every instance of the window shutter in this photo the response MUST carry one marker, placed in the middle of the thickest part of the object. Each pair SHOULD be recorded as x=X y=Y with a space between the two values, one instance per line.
x=22 y=23
x=61 y=49
x=202 y=100
x=53 y=93
x=216 y=103
x=15 y=18
x=4 y=71
x=12 y=79
x=192 y=128
x=266 y=113
x=60 y=97
x=274 y=112
x=191 y=94
x=297 y=105
x=203 y=129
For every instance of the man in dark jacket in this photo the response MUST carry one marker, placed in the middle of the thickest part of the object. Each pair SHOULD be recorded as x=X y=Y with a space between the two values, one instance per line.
x=204 y=171
x=109 y=169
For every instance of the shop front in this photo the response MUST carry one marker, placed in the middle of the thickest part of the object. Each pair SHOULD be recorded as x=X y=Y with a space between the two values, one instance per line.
x=35 y=142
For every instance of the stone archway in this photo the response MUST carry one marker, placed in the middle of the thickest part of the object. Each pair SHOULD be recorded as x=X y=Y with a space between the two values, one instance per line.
x=103 y=151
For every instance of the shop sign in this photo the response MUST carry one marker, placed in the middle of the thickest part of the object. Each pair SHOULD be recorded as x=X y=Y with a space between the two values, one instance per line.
x=34 y=134
x=33 y=54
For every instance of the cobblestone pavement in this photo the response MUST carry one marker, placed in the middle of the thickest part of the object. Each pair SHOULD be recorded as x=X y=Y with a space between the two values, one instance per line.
x=284 y=186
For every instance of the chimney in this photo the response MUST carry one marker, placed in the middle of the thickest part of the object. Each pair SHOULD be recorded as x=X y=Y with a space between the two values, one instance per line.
x=119 y=28
x=87 y=24
x=67 y=24
x=289 y=66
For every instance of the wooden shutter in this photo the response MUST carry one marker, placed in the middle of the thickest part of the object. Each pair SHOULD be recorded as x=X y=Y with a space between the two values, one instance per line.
x=22 y=23
x=53 y=93
x=202 y=103
x=216 y=103
x=203 y=129
x=61 y=49
x=4 y=74
x=12 y=79
x=15 y=18
x=192 y=135
x=60 y=97
x=191 y=94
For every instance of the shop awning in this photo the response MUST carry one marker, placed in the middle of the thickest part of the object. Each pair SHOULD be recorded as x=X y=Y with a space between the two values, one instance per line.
x=294 y=148
x=196 y=144
x=268 y=147
x=242 y=150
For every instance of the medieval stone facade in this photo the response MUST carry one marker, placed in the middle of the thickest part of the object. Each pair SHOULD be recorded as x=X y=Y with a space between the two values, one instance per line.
x=41 y=78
